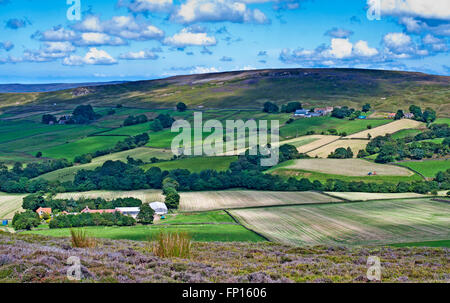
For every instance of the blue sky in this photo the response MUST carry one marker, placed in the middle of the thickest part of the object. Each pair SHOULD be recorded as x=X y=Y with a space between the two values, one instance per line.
x=147 y=39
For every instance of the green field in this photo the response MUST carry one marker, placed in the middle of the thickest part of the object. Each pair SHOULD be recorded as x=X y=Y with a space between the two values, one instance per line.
x=196 y=164
x=80 y=147
x=443 y=243
x=406 y=133
x=302 y=126
x=141 y=153
x=360 y=223
x=442 y=121
x=428 y=168
x=205 y=227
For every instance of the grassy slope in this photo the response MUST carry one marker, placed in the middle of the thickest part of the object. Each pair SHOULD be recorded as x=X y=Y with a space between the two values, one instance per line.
x=250 y=89
x=209 y=226
x=428 y=169
x=196 y=164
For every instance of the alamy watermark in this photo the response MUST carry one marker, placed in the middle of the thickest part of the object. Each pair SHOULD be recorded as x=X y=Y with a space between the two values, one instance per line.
x=74 y=11
x=235 y=141
x=74 y=271
x=374 y=270
x=374 y=10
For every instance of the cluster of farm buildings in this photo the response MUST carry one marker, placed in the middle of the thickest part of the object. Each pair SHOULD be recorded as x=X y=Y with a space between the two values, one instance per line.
x=159 y=208
x=319 y=112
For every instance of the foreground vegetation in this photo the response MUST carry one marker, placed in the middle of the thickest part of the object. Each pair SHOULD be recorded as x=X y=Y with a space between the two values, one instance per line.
x=26 y=258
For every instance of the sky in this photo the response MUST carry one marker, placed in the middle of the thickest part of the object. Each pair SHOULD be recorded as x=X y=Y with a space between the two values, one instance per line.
x=119 y=40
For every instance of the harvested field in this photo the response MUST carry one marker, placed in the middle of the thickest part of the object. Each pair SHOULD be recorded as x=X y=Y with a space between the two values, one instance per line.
x=372 y=223
x=325 y=151
x=390 y=128
x=374 y=196
x=214 y=200
x=146 y=195
x=321 y=141
x=9 y=205
x=348 y=167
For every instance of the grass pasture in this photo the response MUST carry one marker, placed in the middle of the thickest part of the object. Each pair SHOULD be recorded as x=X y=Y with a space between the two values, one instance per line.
x=427 y=168
x=389 y=128
x=142 y=153
x=145 y=195
x=198 y=232
x=364 y=223
x=196 y=164
x=214 y=200
x=9 y=205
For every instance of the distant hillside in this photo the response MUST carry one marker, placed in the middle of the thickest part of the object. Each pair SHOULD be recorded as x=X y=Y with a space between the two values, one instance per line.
x=385 y=90
x=50 y=87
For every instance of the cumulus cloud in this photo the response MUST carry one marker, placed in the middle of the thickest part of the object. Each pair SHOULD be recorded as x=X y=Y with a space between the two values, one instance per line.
x=96 y=39
x=140 y=55
x=93 y=57
x=56 y=34
x=339 y=52
x=7 y=45
x=217 y=11
x=434 y=44
x=140 y=6
x=436 y=9
x=15 y=23
x=188 y=38
x=50 y=52
x=338 y=33
x=125 y=27
x=204 y=70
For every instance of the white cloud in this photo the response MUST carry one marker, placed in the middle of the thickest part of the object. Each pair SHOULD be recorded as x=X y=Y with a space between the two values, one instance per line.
x=204 y=70
x=217 y=11
x=340 y=48
x=397 y=40
x=58 y=34
x=63 y=47
x=51 y=51
x=428 y=9
x=93 y=57
x=187 y=38
x=339 y=33
x=362 y=48
x=89 y=24
x=91 y=39
x=140 y=55
x=139 y=6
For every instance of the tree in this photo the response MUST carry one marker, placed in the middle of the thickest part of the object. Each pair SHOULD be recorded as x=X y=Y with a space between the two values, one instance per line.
x=341 y=153
x=270 y=107
x=166 y=120
x=33 y=201
x=181 y=107
x=26 y=220
x=291 y=107
x=416 y=111
x=145 y=215
x=172 y=200
x=428 y=115
x=84 y=114
x=366 y=107
x=47 y=118
x=399 y=115
x=38 y=154
x=156 y=126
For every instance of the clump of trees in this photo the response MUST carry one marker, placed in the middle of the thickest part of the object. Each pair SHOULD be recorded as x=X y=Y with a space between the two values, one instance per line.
x=342 y=112
x=341 y=153
x=132 y=120
x=82 y=114
x=291 y=107
x=95 y=219
x=181 y=107
x=145 y=215
x=26 y=220
x=270 y=107
x=427 y=116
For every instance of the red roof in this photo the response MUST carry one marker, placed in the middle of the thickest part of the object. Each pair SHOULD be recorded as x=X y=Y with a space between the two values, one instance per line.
x=47 y=210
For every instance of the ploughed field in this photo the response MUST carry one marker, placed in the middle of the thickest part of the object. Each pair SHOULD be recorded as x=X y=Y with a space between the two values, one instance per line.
x=358 y=223
x=349 y=167
x=211 y=200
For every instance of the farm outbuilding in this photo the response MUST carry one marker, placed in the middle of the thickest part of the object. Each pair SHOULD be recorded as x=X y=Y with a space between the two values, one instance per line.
x=160 y=208
x=129 y=211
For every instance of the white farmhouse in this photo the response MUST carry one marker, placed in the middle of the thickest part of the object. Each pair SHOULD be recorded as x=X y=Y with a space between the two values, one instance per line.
x=129 y=211
x=160 y=208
